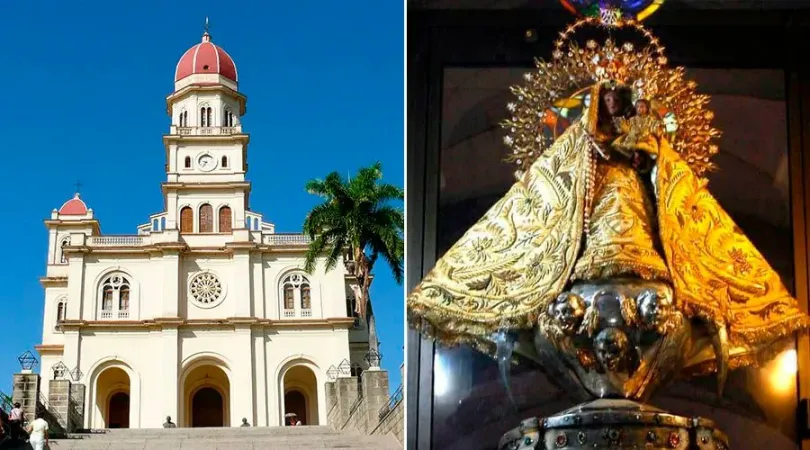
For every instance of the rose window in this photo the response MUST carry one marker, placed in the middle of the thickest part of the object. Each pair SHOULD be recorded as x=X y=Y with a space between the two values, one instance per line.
x=206 y=288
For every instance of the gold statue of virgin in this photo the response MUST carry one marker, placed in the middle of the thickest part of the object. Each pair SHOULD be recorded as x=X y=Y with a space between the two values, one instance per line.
x=609 y=198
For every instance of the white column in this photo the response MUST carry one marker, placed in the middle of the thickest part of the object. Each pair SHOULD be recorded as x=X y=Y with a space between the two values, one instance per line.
x=241 y=285
x=135 y=400
x=257 y=299
x=321 y=390
x=171 y=211
x=242 y=398
x=239 y=211
x=53 y=246
x=171 y=286
x=71 y=352
x=262 y=400
x=171 y=363
x=75 y=308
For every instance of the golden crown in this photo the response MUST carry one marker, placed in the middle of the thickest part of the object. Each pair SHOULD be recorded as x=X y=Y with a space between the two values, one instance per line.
x=556 y=93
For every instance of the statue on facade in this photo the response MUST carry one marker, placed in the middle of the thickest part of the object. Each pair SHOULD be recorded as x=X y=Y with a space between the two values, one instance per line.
x=608 y=261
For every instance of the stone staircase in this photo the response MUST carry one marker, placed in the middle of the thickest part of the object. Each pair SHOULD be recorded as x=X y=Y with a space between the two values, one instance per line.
x=278 y=438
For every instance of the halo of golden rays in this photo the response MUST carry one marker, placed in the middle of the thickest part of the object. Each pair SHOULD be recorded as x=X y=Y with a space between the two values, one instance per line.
x=555 y=88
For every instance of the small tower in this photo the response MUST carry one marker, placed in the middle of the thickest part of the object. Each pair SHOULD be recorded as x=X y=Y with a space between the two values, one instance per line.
x=74 y=217
x=205 y=189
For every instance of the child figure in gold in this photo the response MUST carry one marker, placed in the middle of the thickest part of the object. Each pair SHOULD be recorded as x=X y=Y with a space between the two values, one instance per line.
x=587 y=210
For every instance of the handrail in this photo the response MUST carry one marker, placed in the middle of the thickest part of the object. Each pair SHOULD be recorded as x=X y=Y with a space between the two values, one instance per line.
x=5 y=401
x=392 y=403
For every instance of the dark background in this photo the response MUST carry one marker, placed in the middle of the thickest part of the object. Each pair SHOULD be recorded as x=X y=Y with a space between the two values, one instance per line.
x=751 y=56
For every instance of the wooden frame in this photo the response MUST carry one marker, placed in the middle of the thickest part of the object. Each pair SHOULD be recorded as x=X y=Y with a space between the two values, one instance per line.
x=467 y=38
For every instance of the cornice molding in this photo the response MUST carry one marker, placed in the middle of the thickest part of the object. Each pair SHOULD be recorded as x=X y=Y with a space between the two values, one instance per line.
x=177 y=95
x=53 y=281
x=166 y=187
x=169 y=138
x=254 y=322
x=49 y=349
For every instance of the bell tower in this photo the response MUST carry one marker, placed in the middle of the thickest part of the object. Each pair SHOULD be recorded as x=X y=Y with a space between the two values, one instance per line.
x=205 y=189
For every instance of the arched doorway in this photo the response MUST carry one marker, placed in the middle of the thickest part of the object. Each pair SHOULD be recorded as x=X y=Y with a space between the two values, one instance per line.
x=301 y=394
x=207 y=409
x=206 y=396
x=296 y=403
x=112 y=399
x=118 y=415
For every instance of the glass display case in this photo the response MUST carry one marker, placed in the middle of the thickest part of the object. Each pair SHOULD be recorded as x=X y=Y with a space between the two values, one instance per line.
x=461 y=68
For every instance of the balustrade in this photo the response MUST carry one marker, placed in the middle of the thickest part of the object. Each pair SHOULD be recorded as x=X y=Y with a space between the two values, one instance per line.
x=206 y=131
x=286 y=239
x=113 y=241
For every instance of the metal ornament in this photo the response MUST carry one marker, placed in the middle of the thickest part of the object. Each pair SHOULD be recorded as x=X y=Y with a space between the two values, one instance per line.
x=76 y=374
x=615 y=423
x=27 y=361
x=373 y=358
x=60 y=371
x=332 y=373
x=345 y=368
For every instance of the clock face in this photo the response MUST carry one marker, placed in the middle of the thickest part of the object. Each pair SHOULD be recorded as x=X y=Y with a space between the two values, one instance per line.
x=206 y=163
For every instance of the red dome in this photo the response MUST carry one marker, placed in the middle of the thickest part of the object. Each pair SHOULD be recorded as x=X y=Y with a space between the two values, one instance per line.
x=74 y=207
x=205 y=57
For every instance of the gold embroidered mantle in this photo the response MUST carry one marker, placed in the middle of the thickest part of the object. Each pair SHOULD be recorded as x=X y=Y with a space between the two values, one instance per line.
x=507 y=268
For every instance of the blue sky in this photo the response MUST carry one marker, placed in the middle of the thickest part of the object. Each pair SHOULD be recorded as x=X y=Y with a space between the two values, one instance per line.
x=85 y=100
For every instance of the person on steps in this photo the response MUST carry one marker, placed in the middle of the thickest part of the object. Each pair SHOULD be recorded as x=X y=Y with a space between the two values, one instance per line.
x=38 y=432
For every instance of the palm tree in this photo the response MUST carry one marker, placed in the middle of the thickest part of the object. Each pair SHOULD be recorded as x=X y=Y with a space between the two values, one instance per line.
x=356 y=219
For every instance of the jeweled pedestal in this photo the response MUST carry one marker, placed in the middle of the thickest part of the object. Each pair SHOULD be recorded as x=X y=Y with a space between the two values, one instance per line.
x=615 y=341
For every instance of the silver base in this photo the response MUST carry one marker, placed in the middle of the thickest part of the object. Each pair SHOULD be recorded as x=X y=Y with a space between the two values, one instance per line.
x=615 y=424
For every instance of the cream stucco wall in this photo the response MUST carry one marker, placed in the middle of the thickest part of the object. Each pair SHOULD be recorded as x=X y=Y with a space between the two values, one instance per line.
x=167 y=342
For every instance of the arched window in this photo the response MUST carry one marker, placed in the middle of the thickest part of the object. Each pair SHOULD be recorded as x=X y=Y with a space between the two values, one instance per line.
x=162 y=223
x=224 y=162
x=187 y=162
x=115 y=293
x=289 y=297
x=227 y=118
x=186 y=220
x=62 y=257
x=123 y=298
x=155 y=224
x=205 y=116
x=306 y=299
x=295 y=290
x=225 y=220
x=107 y=304
x=183 y=122
x=61 y=307
x=206 y=219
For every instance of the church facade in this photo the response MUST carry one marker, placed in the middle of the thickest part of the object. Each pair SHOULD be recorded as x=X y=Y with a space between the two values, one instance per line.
x=206 y=314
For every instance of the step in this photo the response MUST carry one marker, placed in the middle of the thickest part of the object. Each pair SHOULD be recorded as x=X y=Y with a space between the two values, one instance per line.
x=312 y=437
x=115 y=434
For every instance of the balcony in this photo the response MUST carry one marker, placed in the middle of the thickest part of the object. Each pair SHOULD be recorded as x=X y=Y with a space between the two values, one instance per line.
x=291 y=313
x=124 y=314
x=116 y=241
x=286 y=239
x=206 y=131
x=105 y=315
